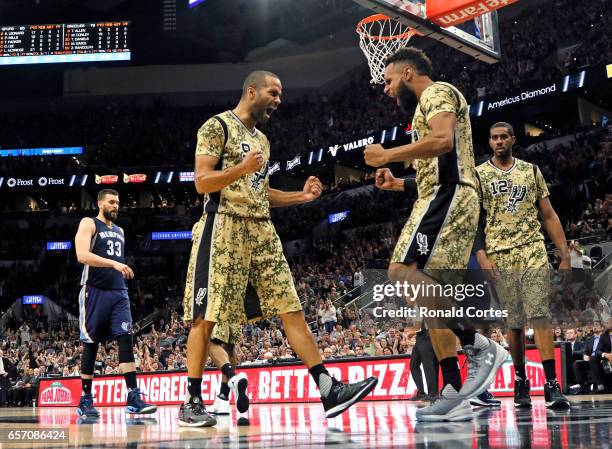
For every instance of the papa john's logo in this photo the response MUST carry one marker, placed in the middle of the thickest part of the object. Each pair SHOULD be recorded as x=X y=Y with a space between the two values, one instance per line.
x=56 y=394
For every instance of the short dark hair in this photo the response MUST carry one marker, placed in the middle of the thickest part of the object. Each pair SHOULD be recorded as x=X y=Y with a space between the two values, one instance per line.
x=506 y=125
x=413 y=56
x=256 y=79
x=103 y=193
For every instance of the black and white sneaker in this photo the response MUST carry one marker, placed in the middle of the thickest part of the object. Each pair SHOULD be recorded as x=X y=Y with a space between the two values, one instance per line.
x=238 y=384
x=341 y=396
x=553 y=396
x=521 y=393
x=194 y=414
x=485 y=399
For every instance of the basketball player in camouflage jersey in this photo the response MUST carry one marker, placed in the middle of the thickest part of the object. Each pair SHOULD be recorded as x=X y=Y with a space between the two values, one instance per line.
x=237 y=266
x=440 y=231
x=513 y=254
x=222 y=352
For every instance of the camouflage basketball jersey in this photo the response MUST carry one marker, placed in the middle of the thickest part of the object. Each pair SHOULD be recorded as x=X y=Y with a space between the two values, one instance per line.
x=509 y=199
x=456 y=166
x=247 y=196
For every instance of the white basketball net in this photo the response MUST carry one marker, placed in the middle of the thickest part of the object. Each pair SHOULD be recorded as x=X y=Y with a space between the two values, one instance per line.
x=380 y=37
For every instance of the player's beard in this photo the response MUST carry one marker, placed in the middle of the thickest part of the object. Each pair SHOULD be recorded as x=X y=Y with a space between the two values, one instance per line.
x=258 y=115
x=263 y=118
x=505 y=154
x=109 y=214
x=407 y=99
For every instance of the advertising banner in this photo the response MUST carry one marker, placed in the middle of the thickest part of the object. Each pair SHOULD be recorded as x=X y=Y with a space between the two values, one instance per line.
x=106 y=179
x=25 y=152
x=276 y=384
x=59 y=246
x=40 y=181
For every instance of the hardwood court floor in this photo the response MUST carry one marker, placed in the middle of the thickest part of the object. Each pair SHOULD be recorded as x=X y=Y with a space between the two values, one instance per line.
x=372 y=424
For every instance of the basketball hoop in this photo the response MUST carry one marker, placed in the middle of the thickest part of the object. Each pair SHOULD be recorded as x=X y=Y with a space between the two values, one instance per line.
x=379 y=37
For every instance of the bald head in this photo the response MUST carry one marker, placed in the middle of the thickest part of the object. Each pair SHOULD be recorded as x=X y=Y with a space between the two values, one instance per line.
x=257 y=79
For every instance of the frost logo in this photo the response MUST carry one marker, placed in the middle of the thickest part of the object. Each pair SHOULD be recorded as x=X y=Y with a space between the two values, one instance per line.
x=56 y=394
x=42 y=181
x=12 y=182
x=423 y=245
x=200 y=296
x=334 y=150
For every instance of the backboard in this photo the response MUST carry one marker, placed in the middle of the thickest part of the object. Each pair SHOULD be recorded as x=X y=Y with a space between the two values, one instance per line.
x=478 y=38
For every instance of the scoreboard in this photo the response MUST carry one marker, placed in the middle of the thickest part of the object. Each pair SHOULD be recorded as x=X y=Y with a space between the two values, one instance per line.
x=67 y=42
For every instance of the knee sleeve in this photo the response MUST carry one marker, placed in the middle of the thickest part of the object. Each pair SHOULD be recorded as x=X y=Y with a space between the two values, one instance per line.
x=126 y=352
x=88 y=360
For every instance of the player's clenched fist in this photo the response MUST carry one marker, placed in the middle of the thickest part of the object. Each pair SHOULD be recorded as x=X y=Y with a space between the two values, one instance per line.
x=374 y=155
x=313 y=188
x=384 y=179
x=252 y=162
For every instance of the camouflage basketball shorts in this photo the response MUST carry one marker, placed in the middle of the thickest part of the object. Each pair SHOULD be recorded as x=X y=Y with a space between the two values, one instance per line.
x=237 y=272
x=440 y=231
x=229 y=333
x=525 y=283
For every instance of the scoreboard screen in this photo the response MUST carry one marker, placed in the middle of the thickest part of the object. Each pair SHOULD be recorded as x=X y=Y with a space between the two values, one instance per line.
x=67 y=42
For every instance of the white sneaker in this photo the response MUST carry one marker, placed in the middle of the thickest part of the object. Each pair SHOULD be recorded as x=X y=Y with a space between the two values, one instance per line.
x=482 y=366
x=449 y=406
x=238 y=384
x=220 y=406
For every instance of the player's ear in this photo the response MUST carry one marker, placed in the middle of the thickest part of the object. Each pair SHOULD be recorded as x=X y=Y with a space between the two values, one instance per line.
x=407 y=72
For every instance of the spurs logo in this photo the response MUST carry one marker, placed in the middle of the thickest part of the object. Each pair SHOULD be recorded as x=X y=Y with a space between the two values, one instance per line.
x=259 y=176
x=200 y=296
x=423 y=245
x=517 y=194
